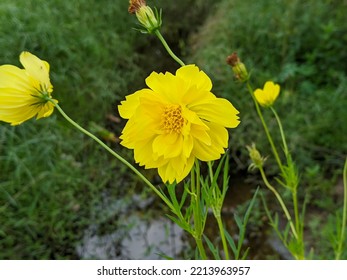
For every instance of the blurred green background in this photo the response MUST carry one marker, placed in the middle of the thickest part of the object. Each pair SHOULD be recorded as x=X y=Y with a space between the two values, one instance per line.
x=52 y=178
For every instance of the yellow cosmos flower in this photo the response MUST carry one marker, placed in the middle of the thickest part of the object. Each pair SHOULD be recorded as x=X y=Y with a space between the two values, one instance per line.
x=175 y=121
x=24 y=92
x=267 y=96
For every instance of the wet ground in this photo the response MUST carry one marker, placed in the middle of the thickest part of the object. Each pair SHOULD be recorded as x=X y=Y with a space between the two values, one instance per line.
x=143 y=232
x=153 y=240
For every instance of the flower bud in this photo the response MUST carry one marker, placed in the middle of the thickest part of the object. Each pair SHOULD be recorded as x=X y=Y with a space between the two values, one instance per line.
x=257 y=159
x=239 y=69
x=149 y=19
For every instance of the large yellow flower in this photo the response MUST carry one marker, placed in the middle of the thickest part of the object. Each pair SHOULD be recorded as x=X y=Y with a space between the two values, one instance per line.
x=267 y=96
x=176 y=121
x=24 y=92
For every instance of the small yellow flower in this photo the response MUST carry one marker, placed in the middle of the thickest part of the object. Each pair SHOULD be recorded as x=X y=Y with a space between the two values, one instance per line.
x=175 y=121
x=24 y=92
x=267 y=96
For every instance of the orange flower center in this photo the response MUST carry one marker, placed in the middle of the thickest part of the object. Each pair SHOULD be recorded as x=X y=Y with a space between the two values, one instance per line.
x=172 y=119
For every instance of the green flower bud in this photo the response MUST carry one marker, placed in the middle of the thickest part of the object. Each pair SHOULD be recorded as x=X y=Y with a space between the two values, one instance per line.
x=239 y=69
x=257 y=159
x=149 y=19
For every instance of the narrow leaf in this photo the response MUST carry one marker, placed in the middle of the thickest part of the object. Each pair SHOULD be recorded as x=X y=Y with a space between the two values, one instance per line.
x=214 y=250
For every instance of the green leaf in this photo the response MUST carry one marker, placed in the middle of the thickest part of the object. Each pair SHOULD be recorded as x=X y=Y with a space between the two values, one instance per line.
x=214 y=250
x=164 y=256
x=10 y=199
x=219 y=167
x=250 y=206
x=182 y=224
x=245 y=254
x=184 y=197
x=238 y=221
x=231 y=243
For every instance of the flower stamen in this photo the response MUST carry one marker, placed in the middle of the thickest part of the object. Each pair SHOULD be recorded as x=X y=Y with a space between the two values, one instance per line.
x=172 y=119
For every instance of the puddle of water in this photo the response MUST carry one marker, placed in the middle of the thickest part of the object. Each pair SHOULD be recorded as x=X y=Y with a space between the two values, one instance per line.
x=144 y=240
x=130 y=232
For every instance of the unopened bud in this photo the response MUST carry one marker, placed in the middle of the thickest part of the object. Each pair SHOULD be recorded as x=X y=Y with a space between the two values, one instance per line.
x=149 y=19
x=239 y=69
x=257 y=159
x=135 y=5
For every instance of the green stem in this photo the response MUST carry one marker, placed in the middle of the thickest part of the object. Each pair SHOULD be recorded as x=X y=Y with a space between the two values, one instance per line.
x=274 y=150
x=344 y=214
x=171 y=53
x=222 y=235
x=198 y=225
x=280 y=200
x=296 y=212
x=107 y=148
x=293 y=190
x=286 y=152
x=209 y=164
x=285 y=147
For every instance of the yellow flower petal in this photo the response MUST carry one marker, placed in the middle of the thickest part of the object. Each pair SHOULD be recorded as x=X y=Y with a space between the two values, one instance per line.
x=192 y=75
x=36 y=68
x=201 y=133
x=163 y=85
x=129 y=106
x=15 y=78
x=168 y=145
x=188 y=144
x=176 y=170
x=219 y=111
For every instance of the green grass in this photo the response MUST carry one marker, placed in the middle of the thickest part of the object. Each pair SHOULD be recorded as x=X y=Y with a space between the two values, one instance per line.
x=299 y=44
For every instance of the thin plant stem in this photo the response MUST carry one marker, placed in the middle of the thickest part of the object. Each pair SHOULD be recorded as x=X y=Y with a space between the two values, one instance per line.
x=268 y=135
x=285 y=146
x=293 y=190
x=296 y=212
x=168 y=49
x=201 y=248
x=198 y=228
x=198 y=213
x=344 y=215
x=117 y=156
x=210 y=171
x=280 y=200
x=222 y=235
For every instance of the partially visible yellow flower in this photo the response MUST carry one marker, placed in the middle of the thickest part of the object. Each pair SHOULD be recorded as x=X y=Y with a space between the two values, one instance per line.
x=267 y=96
x=24 y=92
x=175 y=121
